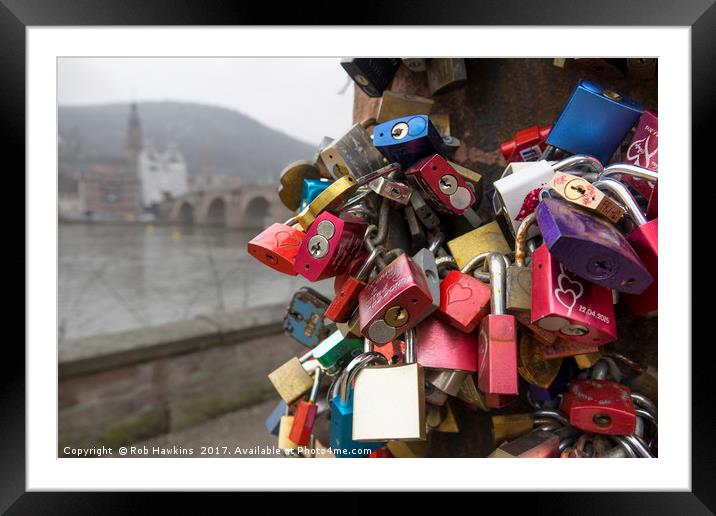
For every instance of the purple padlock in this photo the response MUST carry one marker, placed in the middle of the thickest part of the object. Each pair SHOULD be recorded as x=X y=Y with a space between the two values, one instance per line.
x=591 y=247
x=558 y=385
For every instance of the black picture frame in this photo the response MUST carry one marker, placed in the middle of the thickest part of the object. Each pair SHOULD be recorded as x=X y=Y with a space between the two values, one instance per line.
x=17 y=15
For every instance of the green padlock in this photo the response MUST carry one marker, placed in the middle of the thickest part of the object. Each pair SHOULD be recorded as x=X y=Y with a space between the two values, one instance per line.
x=336 y=351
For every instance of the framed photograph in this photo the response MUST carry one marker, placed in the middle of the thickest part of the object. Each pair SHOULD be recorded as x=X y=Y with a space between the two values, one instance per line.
x=422 y=234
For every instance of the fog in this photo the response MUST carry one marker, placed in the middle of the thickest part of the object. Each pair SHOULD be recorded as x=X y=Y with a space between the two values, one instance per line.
x=299 y=96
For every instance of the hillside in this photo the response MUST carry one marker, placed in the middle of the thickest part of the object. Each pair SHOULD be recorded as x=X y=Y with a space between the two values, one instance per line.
x=211 y=138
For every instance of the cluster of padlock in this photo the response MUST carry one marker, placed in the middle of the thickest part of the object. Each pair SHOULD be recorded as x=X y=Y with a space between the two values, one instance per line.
x=432 y=304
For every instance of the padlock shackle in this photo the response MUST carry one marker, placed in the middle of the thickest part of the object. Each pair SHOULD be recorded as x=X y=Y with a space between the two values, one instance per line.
x=579 y=160
x=391 y=168
x=553 y=414
x=495 y=264
x=618 y=169
x=410 y=346
x=355 y=365
x=365 y=269
x=638 y=446
x=521 y=239
x=437 y=241
x=474 y=263
x=643 y=401
x=625 y=198
x=446 y=261
x=313 y=396
x=292 y=221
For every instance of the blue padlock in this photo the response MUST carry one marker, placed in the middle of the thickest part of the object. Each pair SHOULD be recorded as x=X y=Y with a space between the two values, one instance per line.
x=310 y=190
x=305 y=317
x=407 y=139
x=274 y=419
x=342 y=444
x=594 y=121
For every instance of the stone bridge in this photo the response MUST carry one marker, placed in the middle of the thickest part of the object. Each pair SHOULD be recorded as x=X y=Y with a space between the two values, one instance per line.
x=245 y=207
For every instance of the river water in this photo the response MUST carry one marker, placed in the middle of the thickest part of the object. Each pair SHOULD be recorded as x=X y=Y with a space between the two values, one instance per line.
x=120 y=277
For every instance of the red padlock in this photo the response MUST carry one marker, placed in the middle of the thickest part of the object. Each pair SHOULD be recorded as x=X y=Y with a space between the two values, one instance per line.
x=329 y=246
x=644 y=239
x=346 y=298
x=277 y=246
x=381 y=453
x=352 y=269
x=571 y=307
x=497 y=341
x=394 y=351
x=440 y=346
x=643 y=151
x=498 y=401
x=444 y=188
x=599 y=406
x=396 y=300
x=527 y=145
x=464 y=301
x=305 y=416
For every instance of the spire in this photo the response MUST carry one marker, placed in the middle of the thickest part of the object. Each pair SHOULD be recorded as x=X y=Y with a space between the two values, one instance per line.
x=134 y=134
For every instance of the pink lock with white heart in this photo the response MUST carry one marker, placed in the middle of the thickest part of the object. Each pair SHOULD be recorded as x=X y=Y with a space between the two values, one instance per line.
x=569 y=306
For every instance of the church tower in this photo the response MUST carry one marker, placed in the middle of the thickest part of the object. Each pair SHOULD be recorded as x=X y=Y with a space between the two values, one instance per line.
x=134 y=135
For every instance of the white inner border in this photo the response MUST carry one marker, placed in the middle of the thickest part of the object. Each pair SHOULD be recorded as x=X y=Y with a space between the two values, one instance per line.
x=670 y=471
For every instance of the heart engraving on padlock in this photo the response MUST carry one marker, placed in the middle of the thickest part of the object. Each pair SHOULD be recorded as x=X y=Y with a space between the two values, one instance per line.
x=570 y=286
x=286 y=239
x=456 y=293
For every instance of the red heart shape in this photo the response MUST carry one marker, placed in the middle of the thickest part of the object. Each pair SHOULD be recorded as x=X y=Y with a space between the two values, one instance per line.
x=287 y=239
x=568 y=298
x=456 y=293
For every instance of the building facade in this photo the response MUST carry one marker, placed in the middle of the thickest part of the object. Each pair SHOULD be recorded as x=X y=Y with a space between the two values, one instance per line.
x=162 y=175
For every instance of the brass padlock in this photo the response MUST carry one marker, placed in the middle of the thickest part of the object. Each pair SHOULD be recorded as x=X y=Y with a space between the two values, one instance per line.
x=469 y=394
x=291 y=380
x=587 y=360
x=322 y=168
x=445 y=74
x=532 y=365
x=409 y=449
x=510 y=426
x=291 y=182
x=485 y=239
x=284 y=429
x=394 y=104
x=332 y=198
x=389 y=401
x=441 y=121
x=353 y=153
x=449 y=424
x=519 y=276
x=472 y=178
x=582 y=193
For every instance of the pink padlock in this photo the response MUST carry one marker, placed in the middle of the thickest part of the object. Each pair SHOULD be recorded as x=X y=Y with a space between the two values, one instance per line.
x=329 y=246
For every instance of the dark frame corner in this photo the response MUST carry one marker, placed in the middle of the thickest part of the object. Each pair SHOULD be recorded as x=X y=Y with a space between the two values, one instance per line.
x=700 y=15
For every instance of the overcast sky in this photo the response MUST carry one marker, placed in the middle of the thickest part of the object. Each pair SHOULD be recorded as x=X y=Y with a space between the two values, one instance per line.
x=298 y=96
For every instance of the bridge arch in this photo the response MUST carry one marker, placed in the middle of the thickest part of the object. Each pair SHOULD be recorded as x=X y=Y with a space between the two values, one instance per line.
x=216 y=212
x=186 y=213
x=257 y=212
